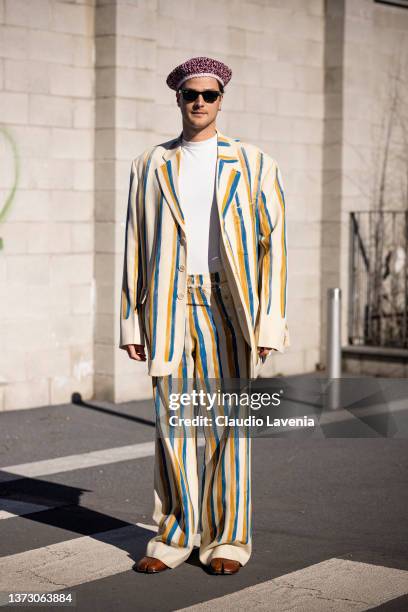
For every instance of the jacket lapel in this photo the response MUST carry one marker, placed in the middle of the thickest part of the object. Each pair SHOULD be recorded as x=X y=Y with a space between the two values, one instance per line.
x=227 y=177
x=168 y=177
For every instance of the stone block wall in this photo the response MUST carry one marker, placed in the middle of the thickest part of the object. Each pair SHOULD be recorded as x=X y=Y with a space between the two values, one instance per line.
x=83 y=92
x=47 y=154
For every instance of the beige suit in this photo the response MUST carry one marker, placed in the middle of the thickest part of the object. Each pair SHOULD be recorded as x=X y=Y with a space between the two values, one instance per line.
x=251 y=207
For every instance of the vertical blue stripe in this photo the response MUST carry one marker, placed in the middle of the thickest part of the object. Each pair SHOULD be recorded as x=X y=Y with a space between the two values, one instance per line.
x=171 y=532
x=220 y=167
x=174 y=297
x=214 y=328
x=231 y=192
x=156 y=275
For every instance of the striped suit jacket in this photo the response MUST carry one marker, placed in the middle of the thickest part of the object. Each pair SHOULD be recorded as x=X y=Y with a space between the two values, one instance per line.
x=251 y=205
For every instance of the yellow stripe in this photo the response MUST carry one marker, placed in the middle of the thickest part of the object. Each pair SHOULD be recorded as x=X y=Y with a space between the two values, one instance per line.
x=170 y=294
x=182 y=537
x=265 y=229
x=124 y=303
x=221 y=516
x=228 y=190
x=233 y=488
x=283 y=264
x=169 y=527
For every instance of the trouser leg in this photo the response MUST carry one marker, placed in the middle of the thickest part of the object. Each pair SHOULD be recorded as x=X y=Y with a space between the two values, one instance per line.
x=226 y=506
x=215 y=350
x=175 y=477
x=222 y=355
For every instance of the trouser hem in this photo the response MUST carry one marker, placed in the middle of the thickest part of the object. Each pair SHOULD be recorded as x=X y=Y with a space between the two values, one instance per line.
x=172 y=556
x=227 y=551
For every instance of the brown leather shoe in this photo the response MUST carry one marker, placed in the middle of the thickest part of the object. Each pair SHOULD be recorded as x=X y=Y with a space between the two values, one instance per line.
x=151 y=565
x=219 y=565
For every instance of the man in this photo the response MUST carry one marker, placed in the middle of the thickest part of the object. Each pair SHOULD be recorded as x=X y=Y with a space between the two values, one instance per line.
x=204 y=289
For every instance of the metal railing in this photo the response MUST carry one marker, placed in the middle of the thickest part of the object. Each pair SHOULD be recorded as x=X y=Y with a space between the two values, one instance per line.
x=378 y=296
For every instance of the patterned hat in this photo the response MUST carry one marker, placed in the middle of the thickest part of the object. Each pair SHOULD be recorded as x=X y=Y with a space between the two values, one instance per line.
x=198 y=66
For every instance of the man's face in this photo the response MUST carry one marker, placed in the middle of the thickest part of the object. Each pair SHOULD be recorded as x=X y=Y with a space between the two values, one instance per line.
x=199 y=114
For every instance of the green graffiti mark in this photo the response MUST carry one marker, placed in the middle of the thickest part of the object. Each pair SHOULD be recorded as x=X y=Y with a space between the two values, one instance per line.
x=10 y=197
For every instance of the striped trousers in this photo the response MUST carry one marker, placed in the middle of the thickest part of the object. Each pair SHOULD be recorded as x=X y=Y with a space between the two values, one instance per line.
x=214 y=351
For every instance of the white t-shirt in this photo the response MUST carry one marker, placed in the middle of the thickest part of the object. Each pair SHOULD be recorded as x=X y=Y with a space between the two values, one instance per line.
x=199 y=206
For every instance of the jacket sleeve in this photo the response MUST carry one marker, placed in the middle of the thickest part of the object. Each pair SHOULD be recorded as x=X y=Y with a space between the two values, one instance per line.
x=272 y=329
x=131 y=325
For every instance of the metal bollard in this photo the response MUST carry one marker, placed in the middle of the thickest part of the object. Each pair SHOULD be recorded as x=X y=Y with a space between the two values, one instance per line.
x=333 y=347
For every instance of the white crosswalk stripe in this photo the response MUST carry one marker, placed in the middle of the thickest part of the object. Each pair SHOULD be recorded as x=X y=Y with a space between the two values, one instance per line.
x=336 y=585
x=12 y=508
x=71 y=563
x=79 y=461
x=68 y=463
x=68 y=564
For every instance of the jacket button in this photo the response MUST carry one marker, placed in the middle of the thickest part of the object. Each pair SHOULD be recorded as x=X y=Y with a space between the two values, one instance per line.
x=180 y=296
x=181 y=268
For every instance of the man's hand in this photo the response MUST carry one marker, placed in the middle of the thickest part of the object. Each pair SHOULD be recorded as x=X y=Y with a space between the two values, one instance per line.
x=265 y=350
x=136 y=351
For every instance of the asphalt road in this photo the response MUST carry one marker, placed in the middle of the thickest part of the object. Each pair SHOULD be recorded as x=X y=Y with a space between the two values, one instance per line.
x=326 y=510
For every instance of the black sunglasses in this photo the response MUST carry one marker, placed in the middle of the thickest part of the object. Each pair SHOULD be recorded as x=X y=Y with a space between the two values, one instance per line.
x=209 y=95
